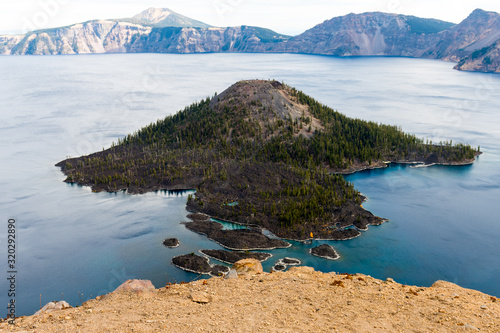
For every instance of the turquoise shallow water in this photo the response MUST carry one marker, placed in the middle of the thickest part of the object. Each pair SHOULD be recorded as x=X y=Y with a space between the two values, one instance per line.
x=443 y=220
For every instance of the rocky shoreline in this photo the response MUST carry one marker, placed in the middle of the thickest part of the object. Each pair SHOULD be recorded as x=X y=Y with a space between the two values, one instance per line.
x=385 y=164
x=230 y=257
x=283 y=263
x=238 y=240
x=200 y=265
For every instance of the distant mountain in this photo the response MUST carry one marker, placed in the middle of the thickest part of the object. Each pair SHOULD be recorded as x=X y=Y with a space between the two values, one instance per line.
x=154 y=30
x=101 y=36
x=382 y=34
x=481 y=29
x=385 y=34
x=163 y=17
x=368 y=34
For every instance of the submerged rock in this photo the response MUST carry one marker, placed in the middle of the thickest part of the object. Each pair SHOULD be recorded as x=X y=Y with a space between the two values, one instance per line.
x=325 y=251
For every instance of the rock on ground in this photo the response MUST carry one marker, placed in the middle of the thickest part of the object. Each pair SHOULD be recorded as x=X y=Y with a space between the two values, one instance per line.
x=248 y=267
x=52 y=306
x=136 y=286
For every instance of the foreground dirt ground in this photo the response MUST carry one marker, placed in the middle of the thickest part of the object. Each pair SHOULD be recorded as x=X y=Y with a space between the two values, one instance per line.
x=299 y=300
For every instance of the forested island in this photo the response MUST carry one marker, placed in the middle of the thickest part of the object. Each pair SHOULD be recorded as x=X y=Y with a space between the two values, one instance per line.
x=265 y=154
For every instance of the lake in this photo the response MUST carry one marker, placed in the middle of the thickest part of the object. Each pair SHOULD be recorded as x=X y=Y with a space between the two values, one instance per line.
x=73 y=244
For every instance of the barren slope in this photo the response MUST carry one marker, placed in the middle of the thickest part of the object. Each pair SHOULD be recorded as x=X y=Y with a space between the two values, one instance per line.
x=300 y=300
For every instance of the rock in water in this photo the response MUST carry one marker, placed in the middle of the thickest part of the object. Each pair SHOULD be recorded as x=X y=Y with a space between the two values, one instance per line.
x=291 y=261
x=193 y=263
x=171 y=242
x=325 y=251
x=136 y=287
x=248 y=267
x=231 y=257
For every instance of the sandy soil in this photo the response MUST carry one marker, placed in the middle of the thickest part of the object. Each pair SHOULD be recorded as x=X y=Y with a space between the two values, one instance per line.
x=299 y=300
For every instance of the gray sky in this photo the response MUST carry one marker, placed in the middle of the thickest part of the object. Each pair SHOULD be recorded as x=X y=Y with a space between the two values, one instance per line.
x=284 y=16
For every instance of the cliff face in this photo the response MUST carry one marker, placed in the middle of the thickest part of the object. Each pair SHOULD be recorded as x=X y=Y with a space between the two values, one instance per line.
x=7 y=43
x=90 y=37
x=481 y=29
x=196 y=40
x=372 y=34
x=484 y=60
x=361 y=35
x=111 y=36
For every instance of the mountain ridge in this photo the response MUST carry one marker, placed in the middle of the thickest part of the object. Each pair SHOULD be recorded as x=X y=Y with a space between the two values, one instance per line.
x=368 y=34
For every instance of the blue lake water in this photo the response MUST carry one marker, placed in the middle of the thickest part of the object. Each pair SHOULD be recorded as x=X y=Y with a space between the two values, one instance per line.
x=443 y=220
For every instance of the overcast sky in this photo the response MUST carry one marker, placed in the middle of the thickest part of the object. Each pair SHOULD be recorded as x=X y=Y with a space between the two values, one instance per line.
x=285 y=16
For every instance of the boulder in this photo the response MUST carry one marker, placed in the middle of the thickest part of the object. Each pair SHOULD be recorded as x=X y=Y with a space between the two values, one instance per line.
x=200 y=297
x=302 y=269
x=444 y=284
x=52 y=306
x=136 y=286
x=248 y=267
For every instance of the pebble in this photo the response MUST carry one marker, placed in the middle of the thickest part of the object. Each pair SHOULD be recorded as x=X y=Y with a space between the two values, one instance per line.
x=471 y=327
x=484 y=307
